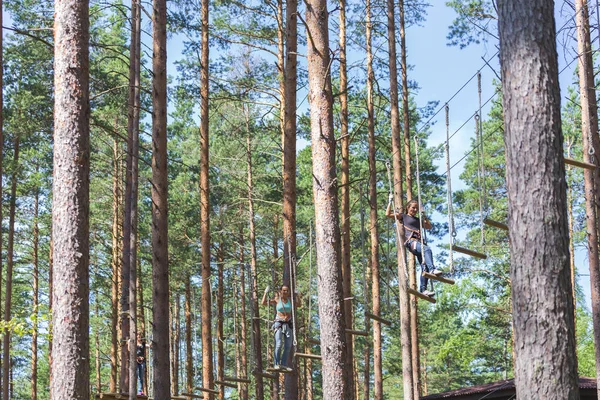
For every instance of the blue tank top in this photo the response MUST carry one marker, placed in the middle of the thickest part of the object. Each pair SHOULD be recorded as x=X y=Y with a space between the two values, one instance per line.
x=284 y=307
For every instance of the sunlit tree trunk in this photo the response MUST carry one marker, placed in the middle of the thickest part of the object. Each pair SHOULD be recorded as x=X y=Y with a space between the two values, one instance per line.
x=36 y=291
x=9 y=268
x=160 y=259
x=331 y=307
x=70 y=208
x=207 y=356
x=243 y=372
x=543 y=320
x=189 y=367
x=220 y=318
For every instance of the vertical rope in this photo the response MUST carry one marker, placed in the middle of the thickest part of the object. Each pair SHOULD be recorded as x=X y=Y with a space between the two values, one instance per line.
x=362 y=246
x=482 y=197
x=310 y=270
x=451 y=229
x=421 y=215
x=293 y=294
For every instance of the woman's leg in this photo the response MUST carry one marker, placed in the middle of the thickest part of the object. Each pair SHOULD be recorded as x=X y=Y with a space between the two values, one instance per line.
x=287 y=345
x=140 y=370
x=278 y=346
x=416 y=245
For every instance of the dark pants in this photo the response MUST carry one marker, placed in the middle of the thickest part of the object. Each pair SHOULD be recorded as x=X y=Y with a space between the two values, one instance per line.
x=414 y=246
x=141 y=371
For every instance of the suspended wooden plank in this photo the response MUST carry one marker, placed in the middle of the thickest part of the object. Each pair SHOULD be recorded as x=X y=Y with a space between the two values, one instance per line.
x=579 y=164
x=240 y=380
x=420 y=295
x=118 y=396
x=221 y=383
x=192 y=396
x=495 y=224
x=438 y=278
x=357 y=333
x=278 y=371
x=468 y=252
x=264 y=375
x=378 y=318
x=305 y=355
x=207 y=390
x=180 y=397
x=313 y=341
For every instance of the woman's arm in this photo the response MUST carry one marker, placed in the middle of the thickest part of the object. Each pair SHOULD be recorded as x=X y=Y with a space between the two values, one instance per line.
x=426 y=222
x=264 y=298
x=389 y=213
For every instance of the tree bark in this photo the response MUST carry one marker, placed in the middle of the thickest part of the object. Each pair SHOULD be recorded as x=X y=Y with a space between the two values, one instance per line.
x=207 y=356
x=9 y=269
x=36 y=290
x=591 y=144
x=160 y=254
x=189 y=366
x=243 y=357
x=70 y=208
x=116 y=270
x=220 y=319
x=331 y=308
x=289 y=170
x=538 y=232
x=403 y=281
x=256 y=338
x=345 y=192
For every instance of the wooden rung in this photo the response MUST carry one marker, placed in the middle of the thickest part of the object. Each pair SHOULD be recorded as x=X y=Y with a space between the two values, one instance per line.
x=377 y=318
x=221 y=383
x=313 y=341
x=357 y=333
x=192 y=396
x=240 y=380
x=280 y=371
x=182 y=397
x=495 y=224
x=420 y=295
x=438 y=278
x=305 y=355
x=468 y=252
x=264 y=375
x=580 y=164
x=213 y=391
x=117 y=396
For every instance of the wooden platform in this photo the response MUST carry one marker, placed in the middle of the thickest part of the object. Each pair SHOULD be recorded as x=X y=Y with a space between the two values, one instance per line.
x=357 y=333
x=495 y=224
x=313 y=341
x=579 y=164
x=233 y=379
x=278 y=371
x=438 y=278
x=226 y=384
x=468 y=252
x=378 y=318
x=420 y=295
x=264 y=374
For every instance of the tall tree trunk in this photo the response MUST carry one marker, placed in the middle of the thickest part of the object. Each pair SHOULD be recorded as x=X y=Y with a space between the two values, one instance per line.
x=220 y=317
x=50 y=306
x=189 y=368
x=160 y=253
x=70 y=208
x=543 y=319
x=414 y=327
x=97 y=339
x=289 y=169
x=36 y=290
x=345 y=191
x=9 y=270
x=133 y=142
x=403 y=281
x=331 y=308
x=114 y=350
x=141 y=316
x=124 y=267
x=281 y=32
x=270 y=347
x=256 y=338
x=373 y=227
x=207 y=356
x=591 y=144
x=176 y=341
x=243 y=373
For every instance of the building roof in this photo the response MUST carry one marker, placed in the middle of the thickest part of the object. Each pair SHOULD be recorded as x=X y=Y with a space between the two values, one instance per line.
x=496 y=389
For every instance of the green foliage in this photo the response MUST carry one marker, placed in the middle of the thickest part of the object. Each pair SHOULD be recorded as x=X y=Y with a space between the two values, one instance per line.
x=475 y=22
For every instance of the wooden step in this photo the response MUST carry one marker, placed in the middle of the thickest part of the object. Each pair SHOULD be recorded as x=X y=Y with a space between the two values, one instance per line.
x=313 y=341
x=118 y=396
x=579 y=164
x=378 y=318
x=357 y=333
x=240 y=380
x=468 y=252
x=306 y=355
x=264 y=375
x=438 y=278
x=420 y=295
x=278 y=371
x=213 y=391
x=192 y=396
x=222 y=383
x=495 y=224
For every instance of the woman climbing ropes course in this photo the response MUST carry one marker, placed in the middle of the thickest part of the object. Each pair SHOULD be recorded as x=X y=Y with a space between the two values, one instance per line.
x=414 y=241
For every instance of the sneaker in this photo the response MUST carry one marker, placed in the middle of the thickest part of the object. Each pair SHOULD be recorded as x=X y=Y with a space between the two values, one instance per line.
x=428 y=293
x=437 y=272
x=287 y=369
x=277 y=367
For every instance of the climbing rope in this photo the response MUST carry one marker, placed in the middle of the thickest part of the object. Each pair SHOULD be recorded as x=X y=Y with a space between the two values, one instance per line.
x=479 y=130
x=293 y=293
x=421 y=214
x=449 y=190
